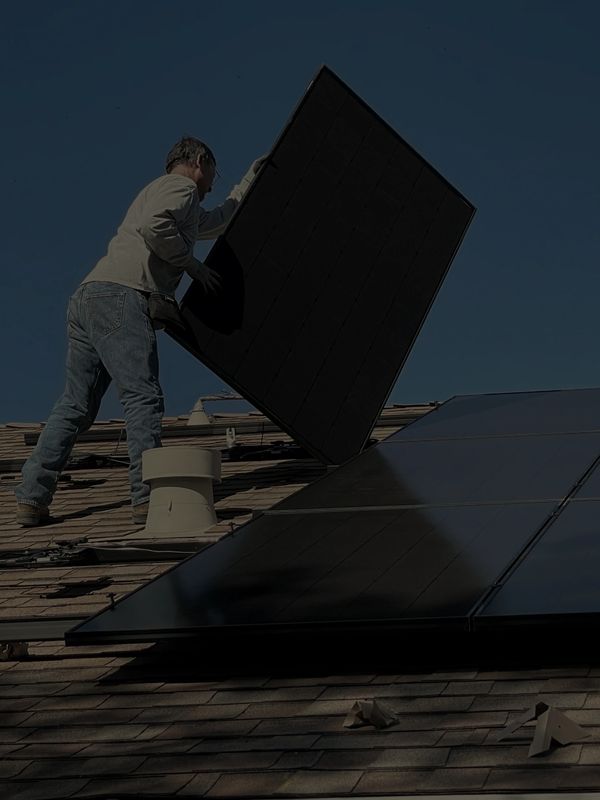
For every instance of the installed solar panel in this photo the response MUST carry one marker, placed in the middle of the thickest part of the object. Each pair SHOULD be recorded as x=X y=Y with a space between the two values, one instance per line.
x=517 y=413
x=410 y=534
x=329 y=268
x=406 y=567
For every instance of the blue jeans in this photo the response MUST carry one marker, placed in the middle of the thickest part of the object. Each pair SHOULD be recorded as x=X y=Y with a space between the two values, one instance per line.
x=110 y=338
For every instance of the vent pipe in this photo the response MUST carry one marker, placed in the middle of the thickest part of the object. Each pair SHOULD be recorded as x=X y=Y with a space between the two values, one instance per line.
x=198 y=415
x=181 y=491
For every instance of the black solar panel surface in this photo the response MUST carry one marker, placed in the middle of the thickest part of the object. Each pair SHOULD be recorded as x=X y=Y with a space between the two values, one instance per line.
x=408 y=567
x=516 y=413
x=559 y=577
x=329 y=269
x=435 y=472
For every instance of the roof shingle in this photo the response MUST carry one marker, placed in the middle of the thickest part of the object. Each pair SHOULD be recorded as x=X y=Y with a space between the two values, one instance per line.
x=137 y=718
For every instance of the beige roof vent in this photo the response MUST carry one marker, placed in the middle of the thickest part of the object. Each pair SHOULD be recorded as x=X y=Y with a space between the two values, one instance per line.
x=181 y=490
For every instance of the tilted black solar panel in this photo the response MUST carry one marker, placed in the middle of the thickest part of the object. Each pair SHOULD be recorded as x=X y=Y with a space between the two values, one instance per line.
x=329 y=268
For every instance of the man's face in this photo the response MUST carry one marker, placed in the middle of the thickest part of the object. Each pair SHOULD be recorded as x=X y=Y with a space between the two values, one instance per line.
x=204 y=175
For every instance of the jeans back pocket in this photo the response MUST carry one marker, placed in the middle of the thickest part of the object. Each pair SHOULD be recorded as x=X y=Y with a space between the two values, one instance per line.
x=105 y=312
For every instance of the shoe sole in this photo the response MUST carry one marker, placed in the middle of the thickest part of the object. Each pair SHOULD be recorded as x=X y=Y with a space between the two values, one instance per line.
x=140 y=518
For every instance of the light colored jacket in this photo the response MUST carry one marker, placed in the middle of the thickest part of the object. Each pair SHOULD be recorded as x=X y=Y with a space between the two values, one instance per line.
x=154 y=244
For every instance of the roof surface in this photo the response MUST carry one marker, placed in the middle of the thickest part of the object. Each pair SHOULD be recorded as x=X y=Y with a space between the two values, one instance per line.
x=146 y=719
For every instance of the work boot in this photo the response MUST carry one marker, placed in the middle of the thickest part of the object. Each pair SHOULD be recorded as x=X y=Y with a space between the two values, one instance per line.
x=29 y=516
x=139 y=513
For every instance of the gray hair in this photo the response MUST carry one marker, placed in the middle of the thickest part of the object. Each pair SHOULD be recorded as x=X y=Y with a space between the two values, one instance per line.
x=187 y=151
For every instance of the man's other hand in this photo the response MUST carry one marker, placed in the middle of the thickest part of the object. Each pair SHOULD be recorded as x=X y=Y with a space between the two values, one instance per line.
x=240 y=189
x=207 y=277
x=210 y=279
x=257 y=164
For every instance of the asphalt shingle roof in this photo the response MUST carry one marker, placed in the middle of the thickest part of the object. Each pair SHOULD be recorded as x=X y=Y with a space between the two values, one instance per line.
x=146 y=719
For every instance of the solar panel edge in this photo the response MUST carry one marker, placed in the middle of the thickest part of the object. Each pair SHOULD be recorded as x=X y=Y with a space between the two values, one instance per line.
x=269 y=413
x=319 y=376
x=416 y=333
x=383 y=121
x=76 y=633
x=528 y=391
x=291 y=117
x=537 y=413
x=227 y=634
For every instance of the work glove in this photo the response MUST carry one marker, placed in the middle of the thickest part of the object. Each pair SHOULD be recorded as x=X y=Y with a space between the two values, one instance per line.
x=206 y=276
x=163 y=310
x=240 y=189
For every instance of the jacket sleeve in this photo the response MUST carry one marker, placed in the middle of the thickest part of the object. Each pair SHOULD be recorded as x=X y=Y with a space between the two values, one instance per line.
x=162 y=217
x=212 y=223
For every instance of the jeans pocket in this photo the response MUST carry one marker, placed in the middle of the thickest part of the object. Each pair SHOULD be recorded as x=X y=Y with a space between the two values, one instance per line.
x=105 y=312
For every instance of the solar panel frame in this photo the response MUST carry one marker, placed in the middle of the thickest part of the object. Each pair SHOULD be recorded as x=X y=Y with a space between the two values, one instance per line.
x=326 y=409
x=590 y=486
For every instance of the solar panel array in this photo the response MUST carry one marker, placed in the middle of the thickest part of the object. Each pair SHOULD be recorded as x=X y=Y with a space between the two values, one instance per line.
x=467 y=519
x=328 y=268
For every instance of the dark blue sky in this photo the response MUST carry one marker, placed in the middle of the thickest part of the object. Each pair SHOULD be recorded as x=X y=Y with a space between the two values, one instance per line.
x=502 y=98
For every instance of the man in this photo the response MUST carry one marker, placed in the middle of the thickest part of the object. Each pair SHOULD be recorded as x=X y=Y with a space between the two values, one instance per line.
x=111 y=335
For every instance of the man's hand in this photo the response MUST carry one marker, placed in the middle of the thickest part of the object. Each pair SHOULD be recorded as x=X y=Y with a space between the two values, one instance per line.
x=240 y=189
x=207 y=277
x=256 y=165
